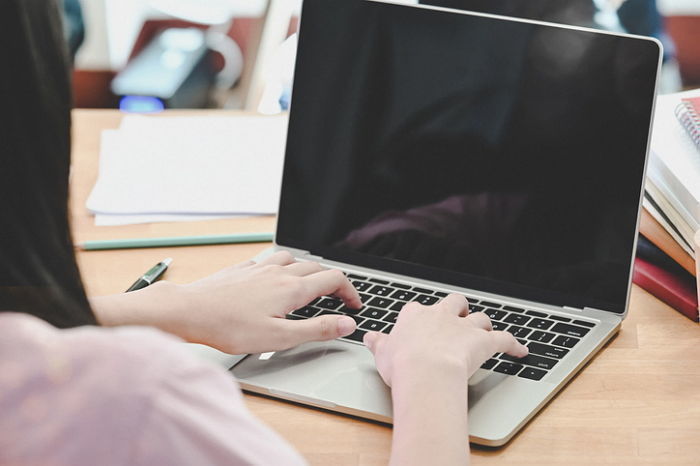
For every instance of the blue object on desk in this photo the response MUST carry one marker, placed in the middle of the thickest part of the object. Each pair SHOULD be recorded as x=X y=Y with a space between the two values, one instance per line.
x=141 y=104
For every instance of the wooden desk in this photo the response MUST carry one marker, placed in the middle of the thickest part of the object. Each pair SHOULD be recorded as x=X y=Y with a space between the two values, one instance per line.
x=638 y=402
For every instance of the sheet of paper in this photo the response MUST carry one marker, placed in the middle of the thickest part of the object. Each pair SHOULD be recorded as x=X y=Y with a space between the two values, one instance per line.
x=191 y=165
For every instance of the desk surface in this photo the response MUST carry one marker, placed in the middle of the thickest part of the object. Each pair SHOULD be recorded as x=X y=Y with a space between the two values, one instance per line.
x=637 y=402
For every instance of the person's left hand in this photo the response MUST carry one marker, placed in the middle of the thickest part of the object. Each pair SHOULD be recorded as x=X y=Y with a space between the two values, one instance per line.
x=240 y=309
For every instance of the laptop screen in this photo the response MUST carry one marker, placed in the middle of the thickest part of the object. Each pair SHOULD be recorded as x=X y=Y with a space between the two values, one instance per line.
x=492 y=154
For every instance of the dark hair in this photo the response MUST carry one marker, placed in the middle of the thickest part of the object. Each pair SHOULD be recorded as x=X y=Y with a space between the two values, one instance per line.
x=38 y=270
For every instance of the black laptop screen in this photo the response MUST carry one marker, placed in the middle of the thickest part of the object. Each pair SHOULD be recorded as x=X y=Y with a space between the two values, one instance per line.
x=497 y=155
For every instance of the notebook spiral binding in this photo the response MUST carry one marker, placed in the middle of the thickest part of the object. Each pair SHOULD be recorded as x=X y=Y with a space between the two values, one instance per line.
x=690 y=120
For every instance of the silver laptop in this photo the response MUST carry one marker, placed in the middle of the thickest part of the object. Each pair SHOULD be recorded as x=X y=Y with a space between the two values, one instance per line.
x=434 y=151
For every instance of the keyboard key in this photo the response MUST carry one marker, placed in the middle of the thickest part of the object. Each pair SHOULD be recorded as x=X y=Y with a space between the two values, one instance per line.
x=373 y=325
x=508 y=368
x=391 y=317
x=489 y=304
x=330 y=303
x=584 y=323
x=567 y=342
x=403 y=295
x=560 y=318
x=547 y=350
x=513 y=309
x=517 y=319
x=315 y=301
x=440 y=294
x=364 y=297
x=472 y=300
x=403 y=286
x=306 y=311
x=495 y=314
x=357 y=335
x=499 y=325
x=380 y=281
x=476 y=308
x=422 y=290
x=397 y=306
x=570 y=330
x=381 y=290
x=362 y=286
x=372 y=313
x=536 y=314
x=293 y=317
x=532 y=373
x=380 y=302
x=349 y=310
x=388 y=329
x=541 y=324
x=544 y=337
x=532 y=360
x=353 y=276
x=489 y=364
x=426 y=300
x=519 y=332
x=358 y=319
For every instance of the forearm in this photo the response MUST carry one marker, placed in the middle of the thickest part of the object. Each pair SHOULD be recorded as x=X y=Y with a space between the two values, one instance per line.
x=430 y=418
x=149 y=306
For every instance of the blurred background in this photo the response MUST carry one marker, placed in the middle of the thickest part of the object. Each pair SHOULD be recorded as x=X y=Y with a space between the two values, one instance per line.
x=147 y=55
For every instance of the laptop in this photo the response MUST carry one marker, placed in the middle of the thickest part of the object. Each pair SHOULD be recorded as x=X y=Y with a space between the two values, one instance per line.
x=434 y=151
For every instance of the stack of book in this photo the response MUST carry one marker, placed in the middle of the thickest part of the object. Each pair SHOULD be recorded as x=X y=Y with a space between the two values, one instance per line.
x=666 y=255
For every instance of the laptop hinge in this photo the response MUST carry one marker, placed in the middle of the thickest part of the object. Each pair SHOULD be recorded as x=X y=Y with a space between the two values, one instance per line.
x=306 y=255
x=593 y=309
x=569 y=308
x=575 y=309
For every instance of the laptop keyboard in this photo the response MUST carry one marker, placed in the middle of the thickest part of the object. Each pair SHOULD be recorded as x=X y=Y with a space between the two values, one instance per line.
x=549 y=337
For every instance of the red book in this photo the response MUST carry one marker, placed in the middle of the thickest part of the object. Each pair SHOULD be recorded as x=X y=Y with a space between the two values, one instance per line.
x=677 y=291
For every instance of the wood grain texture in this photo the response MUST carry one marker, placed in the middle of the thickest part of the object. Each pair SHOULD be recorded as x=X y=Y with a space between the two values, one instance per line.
x=637 y=402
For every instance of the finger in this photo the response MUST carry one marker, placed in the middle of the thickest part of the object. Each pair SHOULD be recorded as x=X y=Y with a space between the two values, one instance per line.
x=278 y=258
x=506 y=343
x=372 y=339
x=296 y=332
x=480 y=320
x=455 y=304
x=333 y=282
x=301 y=269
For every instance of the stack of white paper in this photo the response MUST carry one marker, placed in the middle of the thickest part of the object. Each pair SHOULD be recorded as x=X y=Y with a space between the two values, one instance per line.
x=189 y=168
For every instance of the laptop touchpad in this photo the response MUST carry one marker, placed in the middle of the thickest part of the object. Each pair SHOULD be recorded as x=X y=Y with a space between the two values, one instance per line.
x=331 y=373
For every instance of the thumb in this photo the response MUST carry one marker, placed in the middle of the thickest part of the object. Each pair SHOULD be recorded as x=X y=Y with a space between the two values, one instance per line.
x=317 y=329
x=372 y=339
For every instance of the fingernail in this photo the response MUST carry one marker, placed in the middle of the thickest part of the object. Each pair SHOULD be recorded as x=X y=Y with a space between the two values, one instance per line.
x=346 y=325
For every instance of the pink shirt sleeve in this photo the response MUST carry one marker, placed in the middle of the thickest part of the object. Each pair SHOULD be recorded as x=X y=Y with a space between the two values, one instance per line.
x=121 y=396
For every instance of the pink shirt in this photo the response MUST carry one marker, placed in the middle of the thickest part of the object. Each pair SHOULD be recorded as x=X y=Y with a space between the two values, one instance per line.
x=120 y=396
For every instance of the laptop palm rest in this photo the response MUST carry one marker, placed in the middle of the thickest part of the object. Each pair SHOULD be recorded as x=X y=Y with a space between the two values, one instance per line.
x=342 y=377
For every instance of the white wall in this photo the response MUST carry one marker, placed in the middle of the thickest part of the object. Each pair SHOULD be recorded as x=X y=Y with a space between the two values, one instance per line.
x=679 y=7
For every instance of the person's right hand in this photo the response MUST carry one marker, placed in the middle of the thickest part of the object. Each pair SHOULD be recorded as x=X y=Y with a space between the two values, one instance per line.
x=437 y=338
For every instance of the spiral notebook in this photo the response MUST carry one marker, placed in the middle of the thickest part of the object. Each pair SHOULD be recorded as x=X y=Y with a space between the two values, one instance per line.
x=688 y=113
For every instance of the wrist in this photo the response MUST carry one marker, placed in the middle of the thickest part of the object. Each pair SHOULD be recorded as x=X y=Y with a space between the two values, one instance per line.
x=430 y=405
x=444 y=367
